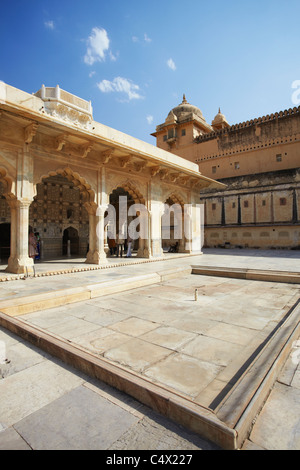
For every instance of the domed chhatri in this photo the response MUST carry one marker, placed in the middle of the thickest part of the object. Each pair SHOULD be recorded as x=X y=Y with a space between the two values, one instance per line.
x=220 y=121
x=183 y=124
x=184 y=111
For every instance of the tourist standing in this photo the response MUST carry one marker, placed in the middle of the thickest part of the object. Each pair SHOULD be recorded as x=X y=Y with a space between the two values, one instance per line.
x=32 y=244
x=120 y=243
x=38 y=245
x=112 y=246
x=129 y=243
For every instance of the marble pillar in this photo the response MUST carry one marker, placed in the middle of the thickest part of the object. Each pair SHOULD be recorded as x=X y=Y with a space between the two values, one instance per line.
x=19 y=261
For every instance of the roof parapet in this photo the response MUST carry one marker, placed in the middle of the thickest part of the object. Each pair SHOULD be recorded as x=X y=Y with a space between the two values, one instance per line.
x=64 y=105
x=252 y=122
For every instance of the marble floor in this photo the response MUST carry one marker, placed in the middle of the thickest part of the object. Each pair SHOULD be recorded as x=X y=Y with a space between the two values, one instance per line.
x=193 y=347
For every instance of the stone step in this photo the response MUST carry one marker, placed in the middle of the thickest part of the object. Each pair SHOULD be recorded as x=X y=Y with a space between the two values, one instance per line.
x=250 y=274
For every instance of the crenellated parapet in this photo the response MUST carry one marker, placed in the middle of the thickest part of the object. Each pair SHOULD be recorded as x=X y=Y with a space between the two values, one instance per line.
x=252 y=123
x=269 y=131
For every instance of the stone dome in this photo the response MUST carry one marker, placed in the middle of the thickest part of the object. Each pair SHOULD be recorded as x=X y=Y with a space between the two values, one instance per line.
x=219 y=120
x=184 y=111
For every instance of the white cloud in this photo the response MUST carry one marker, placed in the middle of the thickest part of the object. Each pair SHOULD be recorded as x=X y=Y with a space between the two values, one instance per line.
x=146 y=38
x=171 y=64
x=120 y=85
x=113 y=58
x=106 y=86
x=49 y=24
x=149 y=119
x=97 y=47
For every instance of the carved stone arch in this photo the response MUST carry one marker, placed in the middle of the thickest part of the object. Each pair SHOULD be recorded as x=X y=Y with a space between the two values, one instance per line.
x=70 y=225
x=61 y=208
x=173 y=237
x=74 y=177
x=71 y=234
x=131 y=189
x=176 y=198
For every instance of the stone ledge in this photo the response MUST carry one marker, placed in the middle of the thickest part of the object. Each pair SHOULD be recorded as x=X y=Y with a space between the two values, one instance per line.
x=242 y=404
x=22 y=305
x=250 y=274
x=16 y=277
x=28 y=304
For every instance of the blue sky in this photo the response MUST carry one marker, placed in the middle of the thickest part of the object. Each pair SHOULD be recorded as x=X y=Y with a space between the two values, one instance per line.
x=135 y=59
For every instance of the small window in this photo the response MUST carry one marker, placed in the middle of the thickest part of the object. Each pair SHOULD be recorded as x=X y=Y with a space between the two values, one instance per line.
x=282 y=201
x=263 y=202
x=214 y=169
x=214 y=206
x=237 y=165
x=183 y=132
x=278 y=157
x=170 y=133
x=233 y=205
x=165 y=137
x=246 y=203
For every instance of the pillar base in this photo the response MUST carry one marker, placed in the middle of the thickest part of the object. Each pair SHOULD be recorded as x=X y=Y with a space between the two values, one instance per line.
x=20 y=266
x=156 y=249
x=183 y=250
x=96 y=258
x=143 y=253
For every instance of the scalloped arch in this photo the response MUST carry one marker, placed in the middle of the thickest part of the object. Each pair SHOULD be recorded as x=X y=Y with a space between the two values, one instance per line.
x=75 y=178
x=131 y=189
x=176 y=198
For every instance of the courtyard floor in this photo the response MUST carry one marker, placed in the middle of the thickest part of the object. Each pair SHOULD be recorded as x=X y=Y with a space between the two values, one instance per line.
x=198 y=348
x=161 y=332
